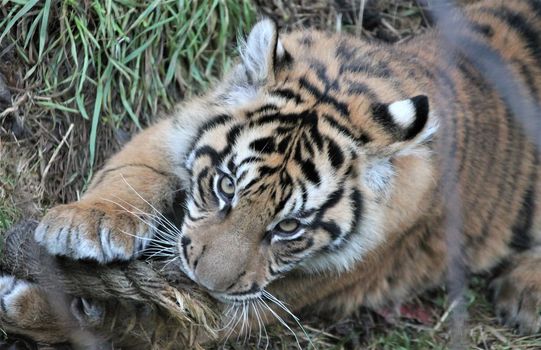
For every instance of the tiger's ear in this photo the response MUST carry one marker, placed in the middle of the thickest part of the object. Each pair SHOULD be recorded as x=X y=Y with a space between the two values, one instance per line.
x=405 y=119
x=262 y=52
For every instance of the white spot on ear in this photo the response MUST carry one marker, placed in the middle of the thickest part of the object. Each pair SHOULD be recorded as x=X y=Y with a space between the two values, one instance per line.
x=403 y=112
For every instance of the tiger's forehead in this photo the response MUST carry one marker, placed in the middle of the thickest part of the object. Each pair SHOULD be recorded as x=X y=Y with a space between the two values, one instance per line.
x=339 y=82
x=289 y=157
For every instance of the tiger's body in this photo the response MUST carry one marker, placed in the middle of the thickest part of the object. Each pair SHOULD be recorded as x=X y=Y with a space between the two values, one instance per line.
x=317 y=170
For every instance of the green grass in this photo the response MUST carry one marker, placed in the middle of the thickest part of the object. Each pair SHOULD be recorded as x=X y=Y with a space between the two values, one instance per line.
x=108 y=61
x=8 y=212
x=8 y=215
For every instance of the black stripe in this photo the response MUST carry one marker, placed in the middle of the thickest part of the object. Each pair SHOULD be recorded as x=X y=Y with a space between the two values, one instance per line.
x=521 y=25
x=281 y=204
x=288 y=94
x=529 y=35
x=421 y=116
x=249 y=160
x=268 y=171
x=356 y=214
x=283 y=130
x=196 y=261
x=308 y=242
x=334 y=198
x=322 y=97
x=312 y=89
x=265 y=108
x=512 y=169
x=208 y=151
x=231 y=138
x=380 y=113
x=371 y=67
x=304 y=195
x=335 y=154
x=250 y=184
x=529 y=78
x=363 y=138
x=484 y=29
x=356 y=88
x=263 y=145
x=185 y=241
x=221 y=119
x=521 y=239
x=478 y=84
x=214 y=155
x=331 y=227
x=321 y=72
x=357 y=205
x=345 y=51
x=310 y=172
x=288 y=119
x=201 y=189
x=536 y=6
x=297 y=155
x=306 y=40
x=232 y=166
x=242 y=176
x=284 y=144
x=308 y=146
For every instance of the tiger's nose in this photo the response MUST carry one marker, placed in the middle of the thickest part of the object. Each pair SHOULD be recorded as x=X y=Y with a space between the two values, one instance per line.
x=219 y=268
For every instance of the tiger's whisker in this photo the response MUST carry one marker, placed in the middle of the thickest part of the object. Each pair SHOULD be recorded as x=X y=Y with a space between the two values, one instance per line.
x=283 y=307
x=233 y=326
x=282 y=322
x=158 y=218
x=147 y=202
x=263 y=323
x=169 y=262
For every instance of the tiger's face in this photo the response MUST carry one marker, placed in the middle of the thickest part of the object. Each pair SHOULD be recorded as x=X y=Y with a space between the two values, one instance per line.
x=267 y=193
x=279 y=179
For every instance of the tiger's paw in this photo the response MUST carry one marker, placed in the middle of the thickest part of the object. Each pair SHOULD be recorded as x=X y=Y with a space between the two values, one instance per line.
x=26 y=311
x=517 y=299
x=95 y=230
x=19 y=299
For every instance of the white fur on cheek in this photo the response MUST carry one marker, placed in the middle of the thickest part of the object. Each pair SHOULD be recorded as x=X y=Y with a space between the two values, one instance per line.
x=403 y=112
x=378 y=177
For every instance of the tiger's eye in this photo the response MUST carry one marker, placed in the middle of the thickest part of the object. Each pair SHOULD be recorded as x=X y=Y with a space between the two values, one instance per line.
x=226 y=186
x=288 y=226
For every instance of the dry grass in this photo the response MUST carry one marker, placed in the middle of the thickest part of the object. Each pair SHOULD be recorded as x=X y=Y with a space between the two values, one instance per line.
x=42 y=162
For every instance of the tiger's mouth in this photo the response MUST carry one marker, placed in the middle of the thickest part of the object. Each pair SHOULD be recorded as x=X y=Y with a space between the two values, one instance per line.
x=237 y=298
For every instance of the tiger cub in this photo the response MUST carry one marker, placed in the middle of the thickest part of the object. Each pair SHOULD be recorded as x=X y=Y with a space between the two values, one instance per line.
x=315 y=172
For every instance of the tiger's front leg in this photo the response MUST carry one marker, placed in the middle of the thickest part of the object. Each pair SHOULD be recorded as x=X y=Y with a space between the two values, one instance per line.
x=118 y=214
